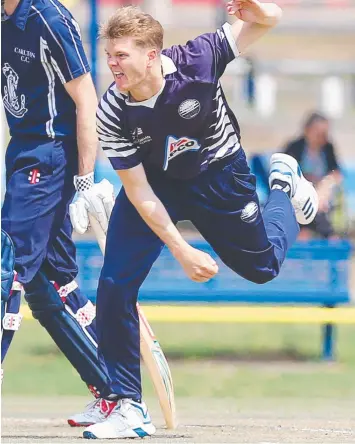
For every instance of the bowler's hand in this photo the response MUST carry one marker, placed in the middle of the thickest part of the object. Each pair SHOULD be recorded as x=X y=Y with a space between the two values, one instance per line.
x=198 y=265
x=254 y=11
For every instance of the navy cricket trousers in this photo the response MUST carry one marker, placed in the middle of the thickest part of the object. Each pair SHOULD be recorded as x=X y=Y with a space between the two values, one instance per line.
x=223 y=205
x=39 y=189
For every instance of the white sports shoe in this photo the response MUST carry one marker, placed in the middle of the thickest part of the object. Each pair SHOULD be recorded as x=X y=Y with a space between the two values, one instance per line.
x=97 y=411
x=286 y=174
x=129 y=419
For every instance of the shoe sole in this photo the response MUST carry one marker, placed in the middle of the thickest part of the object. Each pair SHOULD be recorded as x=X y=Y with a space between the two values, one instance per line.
x=79 y=424
x=134 y=433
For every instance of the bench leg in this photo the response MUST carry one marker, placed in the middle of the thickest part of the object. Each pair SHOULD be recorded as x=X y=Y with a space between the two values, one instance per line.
x=328 y=342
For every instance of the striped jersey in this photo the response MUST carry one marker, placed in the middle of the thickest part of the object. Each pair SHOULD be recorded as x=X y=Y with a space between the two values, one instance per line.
x=41 y=50
x=187 y=125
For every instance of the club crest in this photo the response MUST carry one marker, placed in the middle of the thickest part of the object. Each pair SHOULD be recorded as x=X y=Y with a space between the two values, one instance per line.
x=12 y=102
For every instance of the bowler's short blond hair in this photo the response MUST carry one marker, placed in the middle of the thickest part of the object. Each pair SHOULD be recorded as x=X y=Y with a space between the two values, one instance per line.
x=130 y=21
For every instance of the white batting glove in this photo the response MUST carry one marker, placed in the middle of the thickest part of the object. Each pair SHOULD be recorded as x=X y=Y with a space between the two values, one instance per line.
x=94 y=198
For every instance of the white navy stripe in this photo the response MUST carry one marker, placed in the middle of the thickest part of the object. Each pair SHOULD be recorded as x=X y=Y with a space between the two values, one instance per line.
x=109 y=126
x=215 y=159
x=226 y=135
x=223 y=128
x=223 y=140
x=113 y=101
x=54 y=37
x=112 y=153
x=115 y=144
x=103 y=129
x=225 y=121
x=51 y=84
x=233 y=145
x=114 y=139
x=231 y=40
x=220 y=33
x=71 y=34
x=223 y=115
x=218 y=92
x=57 y=70
x=106 y=120
x=219 y=107
x=107 y=109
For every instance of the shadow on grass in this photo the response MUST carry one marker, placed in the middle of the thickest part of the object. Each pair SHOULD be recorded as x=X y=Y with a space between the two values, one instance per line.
x=285 y=355
x=44 y=350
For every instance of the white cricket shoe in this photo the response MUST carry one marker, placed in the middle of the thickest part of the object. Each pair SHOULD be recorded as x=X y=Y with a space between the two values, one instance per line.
x=129 y=419
x=97 y=411
x=286 y=174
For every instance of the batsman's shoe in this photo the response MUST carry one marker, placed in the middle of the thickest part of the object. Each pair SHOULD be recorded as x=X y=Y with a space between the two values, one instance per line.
x=129 y=419
x=97 y=411
x=286 y=174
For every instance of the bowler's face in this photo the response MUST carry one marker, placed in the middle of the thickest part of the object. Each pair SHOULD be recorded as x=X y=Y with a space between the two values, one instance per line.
x=127 y=62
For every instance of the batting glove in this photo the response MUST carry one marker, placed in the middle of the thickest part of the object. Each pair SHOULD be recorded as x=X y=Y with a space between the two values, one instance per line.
x=94 y=198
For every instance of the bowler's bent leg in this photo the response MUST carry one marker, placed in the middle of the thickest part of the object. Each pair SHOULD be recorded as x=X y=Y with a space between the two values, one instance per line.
x=225 y=209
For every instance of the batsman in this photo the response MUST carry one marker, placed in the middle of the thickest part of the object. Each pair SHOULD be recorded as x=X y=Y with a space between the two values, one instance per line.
x=50 y=104
x=168 y=131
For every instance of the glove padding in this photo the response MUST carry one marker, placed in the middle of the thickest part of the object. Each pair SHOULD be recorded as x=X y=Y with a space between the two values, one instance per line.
x=98 y=200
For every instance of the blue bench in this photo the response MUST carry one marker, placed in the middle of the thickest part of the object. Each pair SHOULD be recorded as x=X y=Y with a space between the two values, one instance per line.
x=315 y=273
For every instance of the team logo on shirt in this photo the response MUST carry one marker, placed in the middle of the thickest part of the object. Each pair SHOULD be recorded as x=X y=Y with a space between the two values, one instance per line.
x=12 y=102
x=189 y=108
x=175 y=146
x=250 y=212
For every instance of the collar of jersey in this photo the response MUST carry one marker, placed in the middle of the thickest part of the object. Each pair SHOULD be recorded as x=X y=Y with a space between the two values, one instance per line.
x=168 y=67
x=20 y=15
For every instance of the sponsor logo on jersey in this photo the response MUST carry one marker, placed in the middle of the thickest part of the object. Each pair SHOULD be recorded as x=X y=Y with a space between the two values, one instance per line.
x=250 y=212
x=176 y=146
x=189 y=108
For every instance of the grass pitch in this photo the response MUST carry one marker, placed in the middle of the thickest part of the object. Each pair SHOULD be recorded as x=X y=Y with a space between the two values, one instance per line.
x=242 y=361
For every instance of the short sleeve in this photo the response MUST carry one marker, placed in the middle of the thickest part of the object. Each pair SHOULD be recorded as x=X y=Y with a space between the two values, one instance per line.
x=205 y=58
x=66 y=48
x=119 y=149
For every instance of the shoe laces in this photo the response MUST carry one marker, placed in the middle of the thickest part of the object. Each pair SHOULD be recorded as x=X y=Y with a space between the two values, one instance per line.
x=122 y=408
x=100 y=404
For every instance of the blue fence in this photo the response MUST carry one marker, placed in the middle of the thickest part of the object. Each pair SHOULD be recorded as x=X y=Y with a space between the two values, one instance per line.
x=315 y=272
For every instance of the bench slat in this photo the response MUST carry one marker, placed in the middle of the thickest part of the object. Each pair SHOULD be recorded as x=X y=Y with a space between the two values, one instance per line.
x=250 y=314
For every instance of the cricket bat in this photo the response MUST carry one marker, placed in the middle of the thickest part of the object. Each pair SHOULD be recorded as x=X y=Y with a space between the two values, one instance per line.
x=151 y=352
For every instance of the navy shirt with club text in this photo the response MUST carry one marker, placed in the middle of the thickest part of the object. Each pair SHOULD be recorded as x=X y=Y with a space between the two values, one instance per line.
x=41 y=50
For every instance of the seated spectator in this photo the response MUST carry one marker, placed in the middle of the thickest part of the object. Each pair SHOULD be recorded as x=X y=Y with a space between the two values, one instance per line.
x=316 y=156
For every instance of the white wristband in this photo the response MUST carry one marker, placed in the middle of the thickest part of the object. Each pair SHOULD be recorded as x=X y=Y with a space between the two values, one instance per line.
x=84 y=183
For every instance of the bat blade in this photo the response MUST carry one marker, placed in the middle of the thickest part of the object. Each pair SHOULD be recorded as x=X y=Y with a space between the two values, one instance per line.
x=159 y=370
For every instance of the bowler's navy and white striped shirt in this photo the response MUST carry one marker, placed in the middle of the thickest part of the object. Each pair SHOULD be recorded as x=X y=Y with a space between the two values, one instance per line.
x=41 y=51
x=184 y=128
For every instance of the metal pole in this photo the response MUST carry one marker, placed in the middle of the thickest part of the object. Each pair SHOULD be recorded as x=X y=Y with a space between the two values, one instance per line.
x=93 y=32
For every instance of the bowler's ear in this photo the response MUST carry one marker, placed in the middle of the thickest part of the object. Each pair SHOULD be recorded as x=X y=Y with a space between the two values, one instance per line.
x=152 y=55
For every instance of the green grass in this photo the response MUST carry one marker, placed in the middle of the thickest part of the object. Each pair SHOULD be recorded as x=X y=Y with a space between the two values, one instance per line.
x=243 y=361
